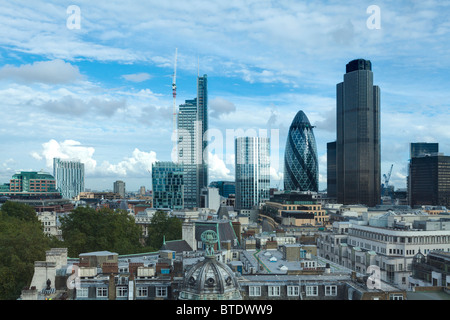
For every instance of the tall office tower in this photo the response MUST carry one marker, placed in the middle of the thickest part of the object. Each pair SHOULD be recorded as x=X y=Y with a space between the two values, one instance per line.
x=167 y=185
x=430 y=180
x=358 y=136
x=331 y=169
x=301 y=167
x=119 y=187
x=69 y=176
x=417 y=149
x=252 y=165
x=192 y=125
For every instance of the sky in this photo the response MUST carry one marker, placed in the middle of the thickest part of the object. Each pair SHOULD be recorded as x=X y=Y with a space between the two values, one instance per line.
x=92 y=80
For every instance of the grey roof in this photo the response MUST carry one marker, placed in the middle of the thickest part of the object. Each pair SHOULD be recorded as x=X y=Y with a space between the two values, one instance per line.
x=178 y=246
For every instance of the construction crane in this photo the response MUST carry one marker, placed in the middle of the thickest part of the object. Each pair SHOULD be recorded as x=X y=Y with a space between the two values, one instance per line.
x=385 y=185
x=174 y=94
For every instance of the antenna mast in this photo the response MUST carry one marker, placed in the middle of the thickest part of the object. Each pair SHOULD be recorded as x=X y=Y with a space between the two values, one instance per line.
x=174 y=93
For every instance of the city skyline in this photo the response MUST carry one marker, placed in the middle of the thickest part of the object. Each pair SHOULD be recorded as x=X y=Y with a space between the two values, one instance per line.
x=102 y=93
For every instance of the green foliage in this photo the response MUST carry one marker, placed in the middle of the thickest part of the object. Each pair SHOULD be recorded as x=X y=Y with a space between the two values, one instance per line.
x=162 y=226
x=87 y=230
x=22 y=242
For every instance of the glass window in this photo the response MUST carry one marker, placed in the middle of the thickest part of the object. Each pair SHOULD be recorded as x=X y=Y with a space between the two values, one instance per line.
x=311 y=290
x=142 y=292
x=330 y=290
x=254 y=291
x=293 y=291
x=274 y=291
x=121 y=292
x=102 y=292
x=161 y=292
x=82 y=292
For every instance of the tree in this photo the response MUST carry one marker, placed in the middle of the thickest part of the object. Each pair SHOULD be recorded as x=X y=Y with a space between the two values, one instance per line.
x=163 y=227
x=22 y=242
x=87 y=230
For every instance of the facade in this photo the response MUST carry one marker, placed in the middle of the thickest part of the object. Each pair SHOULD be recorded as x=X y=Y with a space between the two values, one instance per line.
x=192 y=125
x=69 y=176
x=119 y=187
x=31 y=185
x=295 y=208
x=168 y=185
x=389 y=246
x=358 y=177
x=431 y=270
x=252 y=165
x=331 y=169
x=226 y=188
x=430 y=180
x=301 y=168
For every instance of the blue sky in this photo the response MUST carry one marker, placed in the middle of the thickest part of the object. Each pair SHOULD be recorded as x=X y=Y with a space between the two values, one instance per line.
x=102 y=93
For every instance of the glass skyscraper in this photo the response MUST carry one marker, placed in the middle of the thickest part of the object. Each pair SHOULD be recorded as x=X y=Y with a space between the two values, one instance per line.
x=192 y=125
x=301 y=168
x=167 y=184
x=358 y=136
x=69 y=176
x=252 y=165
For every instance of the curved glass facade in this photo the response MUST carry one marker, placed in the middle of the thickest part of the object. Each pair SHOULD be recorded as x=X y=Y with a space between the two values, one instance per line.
x=301 y=167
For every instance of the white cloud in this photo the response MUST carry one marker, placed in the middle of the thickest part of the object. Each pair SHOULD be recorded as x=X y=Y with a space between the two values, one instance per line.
x=137 y=77
x=217 y=169
x=49 y=72
x=138 y=164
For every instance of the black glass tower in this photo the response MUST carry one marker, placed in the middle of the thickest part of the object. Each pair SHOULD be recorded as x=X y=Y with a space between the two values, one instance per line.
x=301 y=168
x=358 y=178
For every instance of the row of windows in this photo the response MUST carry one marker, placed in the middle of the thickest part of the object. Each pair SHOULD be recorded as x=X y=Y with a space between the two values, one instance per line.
x=122 y=292
x=292 y=291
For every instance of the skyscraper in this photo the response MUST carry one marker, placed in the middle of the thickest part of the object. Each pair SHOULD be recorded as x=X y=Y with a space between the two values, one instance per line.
x=430 y=180
x=301 y=169
x=192 y=125
x=358 y=136
x=167 y=184
x=252 y=165
x=69 y=176
x=331 y=169
x=119 y=187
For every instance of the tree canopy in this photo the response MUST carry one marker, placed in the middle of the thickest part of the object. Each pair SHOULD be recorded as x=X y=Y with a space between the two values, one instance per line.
x=86 y=230
x=163 y=227
x=22 y=242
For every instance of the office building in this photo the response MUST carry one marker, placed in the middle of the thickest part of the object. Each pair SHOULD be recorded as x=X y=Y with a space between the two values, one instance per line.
x=301 y=167
x=252 y=165
x=192 y=124
x=226 y=188
x=331 y=169
x=119 y=188
x=168 y=185
x=358 y=178
x=31 y=185
x=430 y=180
x=418 y=149
x=69 y=176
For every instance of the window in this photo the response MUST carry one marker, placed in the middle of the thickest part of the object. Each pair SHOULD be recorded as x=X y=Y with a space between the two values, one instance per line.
x=82 y=292
x=396 y=297
x=311 y=290
x=102 y=292
x=122 y=292
x=161 y=292
x=330 y=290
x=293 y=291
x=254 y=291
x=274 y=291
x=142 y=292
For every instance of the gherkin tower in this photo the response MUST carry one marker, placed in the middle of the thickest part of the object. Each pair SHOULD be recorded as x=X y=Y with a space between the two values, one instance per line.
x=301 y=167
